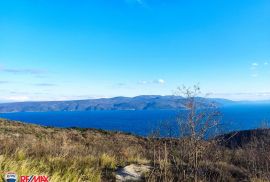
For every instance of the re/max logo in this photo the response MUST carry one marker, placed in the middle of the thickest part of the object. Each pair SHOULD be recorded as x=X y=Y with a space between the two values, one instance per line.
x=34 y=179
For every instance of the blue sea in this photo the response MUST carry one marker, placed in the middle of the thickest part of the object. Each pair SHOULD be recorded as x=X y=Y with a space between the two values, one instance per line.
x=143 y=123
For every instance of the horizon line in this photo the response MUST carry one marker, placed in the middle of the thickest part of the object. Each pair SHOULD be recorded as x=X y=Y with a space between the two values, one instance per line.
x=112 y=97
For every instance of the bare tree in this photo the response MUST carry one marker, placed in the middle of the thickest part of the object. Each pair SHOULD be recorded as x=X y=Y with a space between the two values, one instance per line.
x=178 y=158
x=198 y=121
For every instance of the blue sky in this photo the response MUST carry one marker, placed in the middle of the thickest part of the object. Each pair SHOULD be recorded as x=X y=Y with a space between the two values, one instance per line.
x=60 y=50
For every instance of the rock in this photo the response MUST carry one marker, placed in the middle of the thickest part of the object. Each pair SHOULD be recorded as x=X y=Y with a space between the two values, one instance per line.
x=132 y=173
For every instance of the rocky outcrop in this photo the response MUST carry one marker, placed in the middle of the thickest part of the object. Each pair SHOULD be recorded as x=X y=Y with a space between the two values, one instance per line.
x=132 y=173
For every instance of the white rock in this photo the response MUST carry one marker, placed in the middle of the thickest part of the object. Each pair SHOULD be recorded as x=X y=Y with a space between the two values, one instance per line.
x=132 y=173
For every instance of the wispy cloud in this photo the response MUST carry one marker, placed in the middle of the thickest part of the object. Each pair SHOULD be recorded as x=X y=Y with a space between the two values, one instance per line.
x=27 y=97
x=243 y=95
x=258 y=68
x=18 y=98
x=23 y=71
x=4 y=82
x=254 y=69
x=157 y=81
x=255 y=64
x=45 y=84
x=143 y=82
x=121 y=84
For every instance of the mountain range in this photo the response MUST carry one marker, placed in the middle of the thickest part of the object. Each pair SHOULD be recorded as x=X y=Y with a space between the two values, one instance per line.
x=143 y=102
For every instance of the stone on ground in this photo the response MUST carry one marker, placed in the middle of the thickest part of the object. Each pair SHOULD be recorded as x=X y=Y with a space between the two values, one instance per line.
x=132 y=172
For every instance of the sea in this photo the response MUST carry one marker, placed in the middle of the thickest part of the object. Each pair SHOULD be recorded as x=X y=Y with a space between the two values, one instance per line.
x=144 y=122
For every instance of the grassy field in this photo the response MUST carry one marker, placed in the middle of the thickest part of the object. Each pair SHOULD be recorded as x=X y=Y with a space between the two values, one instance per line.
x=66 y=154
x=94 y=155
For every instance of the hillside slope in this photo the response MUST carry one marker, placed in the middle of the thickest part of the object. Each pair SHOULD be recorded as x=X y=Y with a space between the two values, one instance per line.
x=246 y=138
x=94 y=155
x=66 y=154
x=117 y=103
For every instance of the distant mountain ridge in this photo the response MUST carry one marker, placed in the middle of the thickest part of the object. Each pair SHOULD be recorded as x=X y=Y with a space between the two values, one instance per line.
x=143 y=102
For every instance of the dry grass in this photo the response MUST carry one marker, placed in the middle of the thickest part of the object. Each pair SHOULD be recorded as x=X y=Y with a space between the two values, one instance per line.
x=94 y=155
x=216 y=163
x=66 y=154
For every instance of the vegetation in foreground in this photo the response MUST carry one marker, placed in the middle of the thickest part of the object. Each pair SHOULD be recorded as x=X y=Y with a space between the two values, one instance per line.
x=66 y=154
x=94 y=155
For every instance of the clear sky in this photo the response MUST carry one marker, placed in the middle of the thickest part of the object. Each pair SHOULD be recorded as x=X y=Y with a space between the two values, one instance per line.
x=66 y=49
